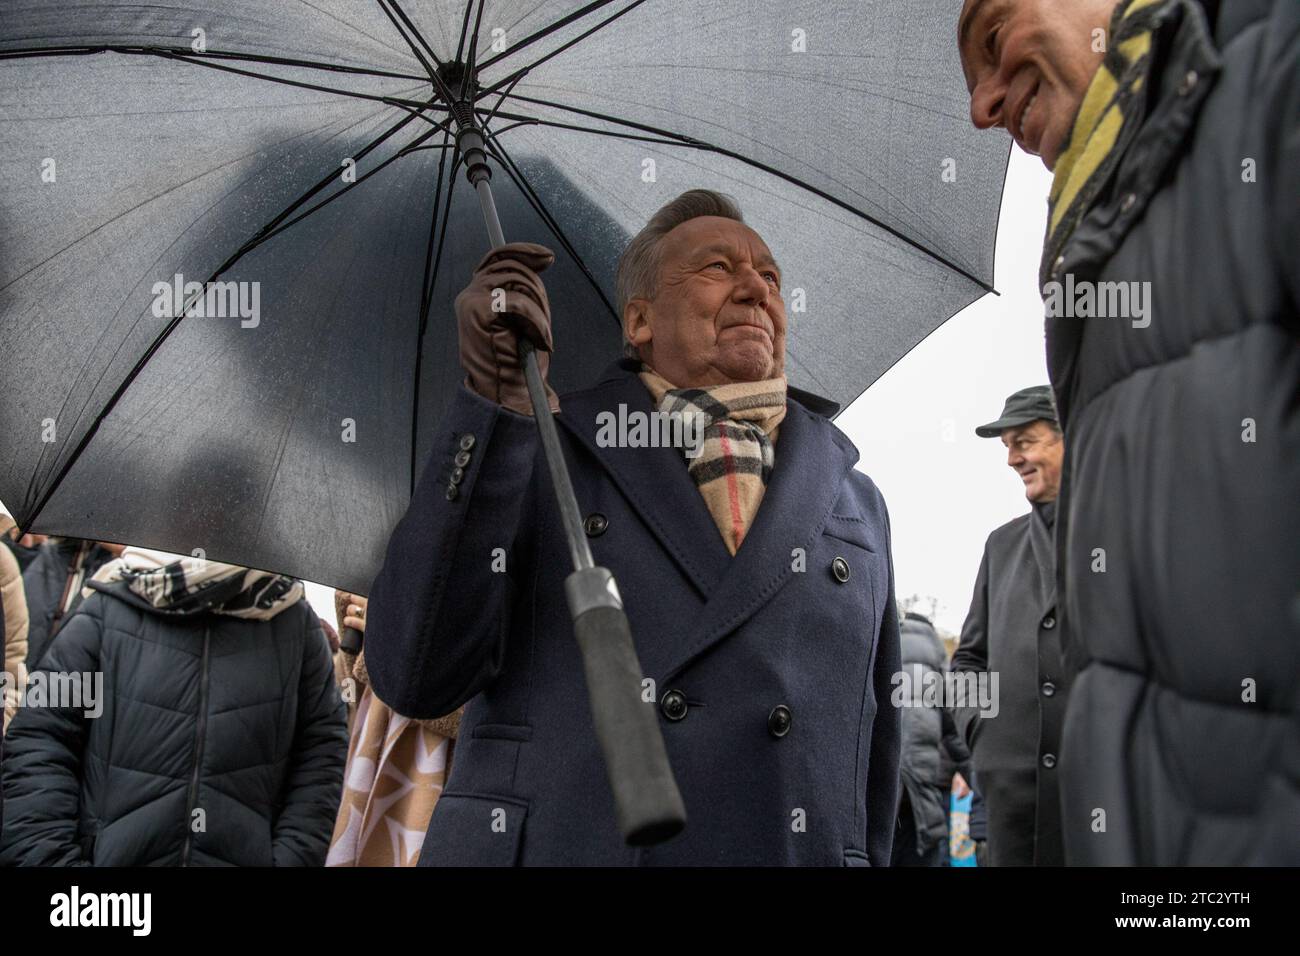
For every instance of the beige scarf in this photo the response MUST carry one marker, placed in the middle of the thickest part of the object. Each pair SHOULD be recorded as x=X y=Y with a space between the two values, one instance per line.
x=739 y=428
x=172 y=582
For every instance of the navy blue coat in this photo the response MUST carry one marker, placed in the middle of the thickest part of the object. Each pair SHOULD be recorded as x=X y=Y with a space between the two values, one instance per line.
x=737 y=636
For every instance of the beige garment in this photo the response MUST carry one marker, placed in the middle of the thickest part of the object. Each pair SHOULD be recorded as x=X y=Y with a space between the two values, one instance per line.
x=15 y=626
x=729 y=468
x=395 y=773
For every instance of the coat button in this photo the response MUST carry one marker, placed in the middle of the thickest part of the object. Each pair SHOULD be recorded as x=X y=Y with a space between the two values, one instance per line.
x=452 y=492
x=457 y=476
x=1048 y=688
x=595 y=524
x=1129 y=202
x=466 y=442
x=1056 y=266
x=462 y=459
x=1189 y=83
x=840 y=568
x=1049 y=622
x=1049 y=761
x=778 y=721
x=673 y=705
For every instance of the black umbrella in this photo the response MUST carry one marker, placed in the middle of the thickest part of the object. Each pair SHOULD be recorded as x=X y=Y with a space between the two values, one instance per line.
x=298 y=161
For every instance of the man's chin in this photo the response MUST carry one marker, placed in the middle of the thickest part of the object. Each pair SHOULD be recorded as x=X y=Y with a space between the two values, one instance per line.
x=749 y=365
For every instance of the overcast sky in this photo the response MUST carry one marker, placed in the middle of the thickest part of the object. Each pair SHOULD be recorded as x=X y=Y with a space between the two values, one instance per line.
x=915 y=428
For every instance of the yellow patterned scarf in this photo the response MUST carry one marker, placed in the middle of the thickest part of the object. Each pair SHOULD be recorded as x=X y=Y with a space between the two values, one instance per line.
x=732 y=465
x=1105 y=124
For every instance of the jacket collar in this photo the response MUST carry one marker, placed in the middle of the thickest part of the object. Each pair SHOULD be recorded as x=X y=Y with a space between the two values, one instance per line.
x=1187 y=65
x=813 y=457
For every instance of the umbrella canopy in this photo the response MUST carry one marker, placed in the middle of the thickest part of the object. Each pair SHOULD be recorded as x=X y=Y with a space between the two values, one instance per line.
x=296 y=161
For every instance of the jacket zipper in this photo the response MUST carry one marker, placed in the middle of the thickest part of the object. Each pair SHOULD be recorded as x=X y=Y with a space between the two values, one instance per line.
x=198 y=751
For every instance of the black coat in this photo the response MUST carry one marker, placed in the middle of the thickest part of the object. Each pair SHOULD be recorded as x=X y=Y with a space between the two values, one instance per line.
x=932 y=749
x=728 y=639
x=1011 y=631
x=60 y=569
x=1182 y=470
x=239 y=719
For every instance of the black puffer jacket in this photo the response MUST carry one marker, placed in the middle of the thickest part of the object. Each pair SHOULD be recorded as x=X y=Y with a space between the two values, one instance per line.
x=238 y=719
x=1182 y=464
x=931 y=746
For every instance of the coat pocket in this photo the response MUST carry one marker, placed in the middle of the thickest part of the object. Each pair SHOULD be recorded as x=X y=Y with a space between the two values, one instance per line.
x=856 y=858
x=474 y=830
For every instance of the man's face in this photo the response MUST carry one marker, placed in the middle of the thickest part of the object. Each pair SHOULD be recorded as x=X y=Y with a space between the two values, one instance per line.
x=1028 y=64
x=1034 y=452
x=717 y=315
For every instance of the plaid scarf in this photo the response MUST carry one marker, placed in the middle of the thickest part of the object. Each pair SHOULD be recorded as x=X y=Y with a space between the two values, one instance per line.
x=1106 y=123
x=738 y=423
x=182 y=585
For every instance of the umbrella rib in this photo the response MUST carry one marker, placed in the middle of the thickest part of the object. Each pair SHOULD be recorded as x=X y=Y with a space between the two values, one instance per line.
x=749 y=161
x=415 y=33
x=415 y=145
x=521 y=120
x=521 y=181
x=502 y=99
x=464 y=30
x=546 y=31
x=171 y=325
x=472 y=53
x=409 y=42
x=210 y=54
x=432 y=262
x=408 y=105
x=559 y=49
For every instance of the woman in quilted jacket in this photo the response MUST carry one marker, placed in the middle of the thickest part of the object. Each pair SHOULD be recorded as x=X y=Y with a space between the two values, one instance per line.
x=185 y=715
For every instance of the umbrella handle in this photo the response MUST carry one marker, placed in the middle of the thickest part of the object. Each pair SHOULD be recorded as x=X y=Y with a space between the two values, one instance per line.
x=350 y=640
x=647 y=802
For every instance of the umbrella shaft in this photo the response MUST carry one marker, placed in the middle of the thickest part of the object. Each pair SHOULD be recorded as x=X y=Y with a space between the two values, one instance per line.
x=495 y=234
x=570 y=516
x=471 y=142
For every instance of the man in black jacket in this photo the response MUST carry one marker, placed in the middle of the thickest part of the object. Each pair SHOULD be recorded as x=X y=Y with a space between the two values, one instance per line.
x=1011 y=633
x=1171 y=275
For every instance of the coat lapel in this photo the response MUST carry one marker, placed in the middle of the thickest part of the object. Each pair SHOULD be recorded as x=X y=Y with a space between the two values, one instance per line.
x=812 y=459
x=654 y=480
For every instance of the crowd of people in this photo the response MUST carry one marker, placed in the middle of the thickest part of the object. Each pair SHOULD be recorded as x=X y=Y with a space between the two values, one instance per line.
x=1125 y=686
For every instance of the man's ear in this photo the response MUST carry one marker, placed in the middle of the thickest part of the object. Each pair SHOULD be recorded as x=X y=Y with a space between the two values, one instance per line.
x=636 y=323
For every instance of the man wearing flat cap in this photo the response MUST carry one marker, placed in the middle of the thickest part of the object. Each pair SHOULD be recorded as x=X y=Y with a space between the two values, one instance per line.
x=1011 y=632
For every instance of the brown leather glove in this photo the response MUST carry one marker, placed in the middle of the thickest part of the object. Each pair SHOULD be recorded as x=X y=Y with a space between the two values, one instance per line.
x=489 y=351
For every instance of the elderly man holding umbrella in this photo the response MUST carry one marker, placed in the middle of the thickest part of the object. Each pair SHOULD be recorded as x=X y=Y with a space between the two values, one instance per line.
x=1173 y=325
x=754 y=567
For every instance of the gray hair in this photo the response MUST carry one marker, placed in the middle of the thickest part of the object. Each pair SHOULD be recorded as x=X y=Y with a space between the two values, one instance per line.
x=638 y=267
